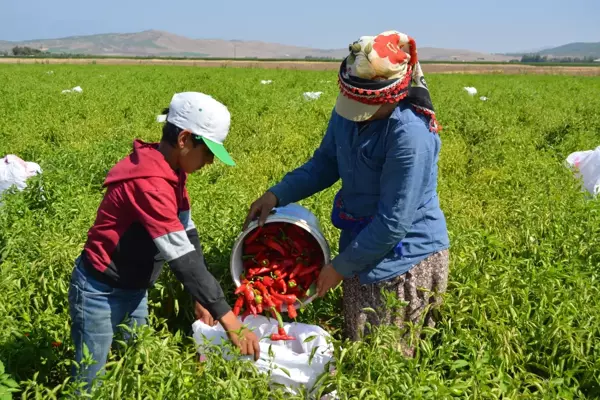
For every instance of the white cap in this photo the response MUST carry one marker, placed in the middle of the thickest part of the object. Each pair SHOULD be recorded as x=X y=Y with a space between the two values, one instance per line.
x=204 y=116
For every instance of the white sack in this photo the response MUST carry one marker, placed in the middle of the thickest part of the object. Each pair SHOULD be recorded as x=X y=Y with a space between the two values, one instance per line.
x=292 y=355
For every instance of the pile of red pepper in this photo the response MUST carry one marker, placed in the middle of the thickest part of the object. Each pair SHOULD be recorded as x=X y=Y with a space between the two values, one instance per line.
x=281 y=263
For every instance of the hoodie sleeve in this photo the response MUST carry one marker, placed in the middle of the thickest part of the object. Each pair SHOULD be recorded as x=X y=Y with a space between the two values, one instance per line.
x=185 y=217
x=156 y=208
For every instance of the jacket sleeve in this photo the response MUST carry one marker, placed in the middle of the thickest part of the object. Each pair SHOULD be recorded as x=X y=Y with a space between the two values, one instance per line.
x=157 y=210
x=405 y=175
x=185 y=217
x=318 y=173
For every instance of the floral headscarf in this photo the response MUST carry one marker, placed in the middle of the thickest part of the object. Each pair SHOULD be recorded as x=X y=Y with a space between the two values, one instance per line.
x=379 y=70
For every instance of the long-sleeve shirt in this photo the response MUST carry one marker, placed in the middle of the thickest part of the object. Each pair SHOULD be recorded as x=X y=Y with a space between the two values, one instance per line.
x=388 y=172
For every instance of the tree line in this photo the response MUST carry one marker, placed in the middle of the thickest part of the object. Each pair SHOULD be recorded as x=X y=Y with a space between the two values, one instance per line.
x=537 y=58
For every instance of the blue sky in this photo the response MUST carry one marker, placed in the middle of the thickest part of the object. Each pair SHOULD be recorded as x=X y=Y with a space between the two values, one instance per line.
x=485 y=25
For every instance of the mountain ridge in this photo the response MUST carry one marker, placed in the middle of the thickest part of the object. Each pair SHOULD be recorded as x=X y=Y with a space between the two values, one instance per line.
x=156 y=43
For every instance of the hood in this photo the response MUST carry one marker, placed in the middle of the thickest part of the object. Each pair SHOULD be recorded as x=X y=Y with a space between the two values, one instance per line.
x=144 y=162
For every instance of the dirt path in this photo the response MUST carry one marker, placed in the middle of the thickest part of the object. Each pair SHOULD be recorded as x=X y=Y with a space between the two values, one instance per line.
x=320 y=66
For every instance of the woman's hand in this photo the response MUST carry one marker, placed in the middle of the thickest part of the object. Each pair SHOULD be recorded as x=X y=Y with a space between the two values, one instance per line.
x=261 y=208
x=328 y=279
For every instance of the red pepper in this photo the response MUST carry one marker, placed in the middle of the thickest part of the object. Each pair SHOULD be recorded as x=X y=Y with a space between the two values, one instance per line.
x=259 y=308
x=295 y=290
x=260 y=286
x=249 y=264
x=296 y=270
x=271 y=228
x=292 y=311
x=281 y=276
x=275 y=246
x=254 y=248
x=253 y=236
x=238 y=305
x=308 y=270
x=278 y=302
x=252 y=271
x=268 y=301
x=266 y=297
x=250 y=301
x=263 y=270
x=267 y=281
x=289 y=299
x=275 y=337
x=281 y=330
x=280 y=285
x=264 y=262
x=287 y=263
x=240 y=289
x=275 y=265
x=305 y=281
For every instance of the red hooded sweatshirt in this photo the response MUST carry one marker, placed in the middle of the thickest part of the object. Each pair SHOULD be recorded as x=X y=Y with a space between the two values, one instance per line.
x=144 y=221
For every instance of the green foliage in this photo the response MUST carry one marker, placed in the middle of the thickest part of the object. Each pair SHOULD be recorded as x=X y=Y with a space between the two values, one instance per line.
x=520 y=319
x=7 y=385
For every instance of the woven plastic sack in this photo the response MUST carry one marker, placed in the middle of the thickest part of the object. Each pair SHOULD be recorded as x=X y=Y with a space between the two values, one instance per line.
x=586 y=165
x=15 y=172
x=290 y=363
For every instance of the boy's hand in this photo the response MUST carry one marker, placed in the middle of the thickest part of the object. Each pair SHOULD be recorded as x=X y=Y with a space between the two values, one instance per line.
x=243 y=338
x=261 y=208
x=203 y=315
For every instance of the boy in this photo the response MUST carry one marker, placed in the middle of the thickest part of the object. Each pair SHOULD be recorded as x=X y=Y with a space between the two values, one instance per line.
x=143 y=221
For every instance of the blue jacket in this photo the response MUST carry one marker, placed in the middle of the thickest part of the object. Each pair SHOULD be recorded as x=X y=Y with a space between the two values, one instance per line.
x=389 y=182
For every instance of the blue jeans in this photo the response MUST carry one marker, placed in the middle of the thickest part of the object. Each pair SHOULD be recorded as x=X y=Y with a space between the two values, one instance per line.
x=96 y=311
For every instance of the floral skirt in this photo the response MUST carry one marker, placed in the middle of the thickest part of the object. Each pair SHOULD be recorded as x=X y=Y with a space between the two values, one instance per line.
x=412 y=297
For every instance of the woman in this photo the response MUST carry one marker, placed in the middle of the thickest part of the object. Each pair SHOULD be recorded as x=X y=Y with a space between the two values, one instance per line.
x=382 y=142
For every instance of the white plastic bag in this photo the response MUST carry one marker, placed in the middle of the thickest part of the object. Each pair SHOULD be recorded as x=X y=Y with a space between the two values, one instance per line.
x=76 y=89
x=305 y=358
x=586 y=165
x=312 y=95
x=471 y=90
x=14 y=171
x=263 y=82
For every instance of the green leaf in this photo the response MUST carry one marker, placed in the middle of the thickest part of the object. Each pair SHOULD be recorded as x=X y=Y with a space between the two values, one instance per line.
x=310 y=339
x=271 y=353
x=459 y=364
x=312 y=354
x=11 y=384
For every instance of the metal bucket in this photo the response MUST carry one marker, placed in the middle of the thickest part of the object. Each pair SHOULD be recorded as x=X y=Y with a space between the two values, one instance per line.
x=292 y=214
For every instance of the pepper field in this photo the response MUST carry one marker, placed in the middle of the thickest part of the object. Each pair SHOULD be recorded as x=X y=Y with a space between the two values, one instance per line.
x=521 y=318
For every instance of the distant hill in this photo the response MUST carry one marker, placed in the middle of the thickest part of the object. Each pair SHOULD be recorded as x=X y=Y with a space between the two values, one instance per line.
x=580 y=50
x=164 y=44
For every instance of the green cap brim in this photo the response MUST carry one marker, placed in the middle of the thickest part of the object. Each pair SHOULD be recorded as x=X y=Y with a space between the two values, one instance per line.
x=219 y=151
